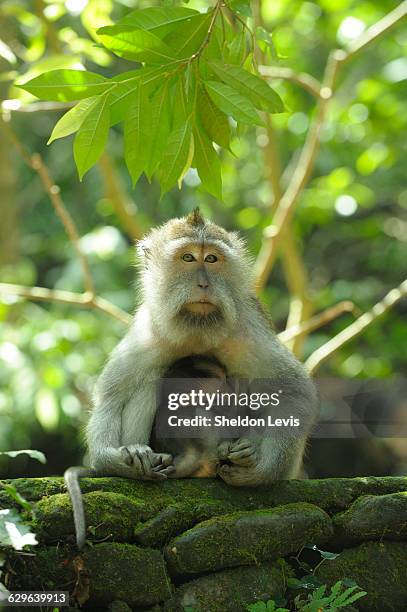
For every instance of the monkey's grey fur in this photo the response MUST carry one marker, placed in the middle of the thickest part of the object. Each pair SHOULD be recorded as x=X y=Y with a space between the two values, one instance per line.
x=204 y=305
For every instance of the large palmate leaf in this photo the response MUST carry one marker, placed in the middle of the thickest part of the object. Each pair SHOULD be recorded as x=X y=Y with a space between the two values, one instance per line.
x=136 y=45
x=160 y=111
x=177 y=154
x=66 y=85
x=137 y=128
x=187 y=37
x=91 y=138
x=233 y=103
x=213 y=120
x=250 y=85
x=73 y=119
x=207 y=163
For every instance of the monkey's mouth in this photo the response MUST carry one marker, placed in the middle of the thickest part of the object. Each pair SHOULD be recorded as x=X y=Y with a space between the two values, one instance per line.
x=201 y=307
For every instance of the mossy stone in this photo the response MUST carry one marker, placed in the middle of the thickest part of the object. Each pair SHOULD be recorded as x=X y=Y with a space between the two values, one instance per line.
x=246 y=538
x=373 y=518
x=108 y=515
x=379 y=568
x=231 y=590
x=126 y=572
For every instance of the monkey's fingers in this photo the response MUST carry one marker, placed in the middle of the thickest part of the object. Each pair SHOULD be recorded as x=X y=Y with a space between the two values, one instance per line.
x=243 y=458
x=126 y=455
x=145 y=462
x=224 y=449
x=241 y=443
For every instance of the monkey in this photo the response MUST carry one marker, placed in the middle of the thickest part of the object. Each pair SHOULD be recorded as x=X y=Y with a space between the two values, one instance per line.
x=197 y=297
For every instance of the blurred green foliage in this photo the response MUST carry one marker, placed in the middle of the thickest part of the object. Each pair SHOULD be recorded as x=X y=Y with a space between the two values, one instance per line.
x=351 y=221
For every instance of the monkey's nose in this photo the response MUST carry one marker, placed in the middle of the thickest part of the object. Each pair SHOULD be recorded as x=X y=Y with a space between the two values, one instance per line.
x=203 y=284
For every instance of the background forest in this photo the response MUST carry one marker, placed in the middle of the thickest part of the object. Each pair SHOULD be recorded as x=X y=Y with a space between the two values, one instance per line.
x=348 y=239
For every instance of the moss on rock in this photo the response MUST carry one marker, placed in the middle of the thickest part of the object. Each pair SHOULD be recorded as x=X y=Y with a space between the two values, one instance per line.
x=126 y=572
x=379 y=568
x=175 y=520
x=108 y=515
x=329 y=493
x=373 y=517
x=245 y=538
x=231 y=590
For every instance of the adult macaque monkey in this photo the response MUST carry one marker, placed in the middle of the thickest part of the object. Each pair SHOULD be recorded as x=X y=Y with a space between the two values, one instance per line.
x=197 y=298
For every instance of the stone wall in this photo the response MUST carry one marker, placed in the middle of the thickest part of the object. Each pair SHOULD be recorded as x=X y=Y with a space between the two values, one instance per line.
x=203 y=546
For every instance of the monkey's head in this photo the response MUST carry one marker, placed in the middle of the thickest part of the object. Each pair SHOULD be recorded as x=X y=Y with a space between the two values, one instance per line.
x=196 y=276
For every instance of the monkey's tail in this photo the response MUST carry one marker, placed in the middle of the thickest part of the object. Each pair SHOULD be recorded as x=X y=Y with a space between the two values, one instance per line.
x=71 y=477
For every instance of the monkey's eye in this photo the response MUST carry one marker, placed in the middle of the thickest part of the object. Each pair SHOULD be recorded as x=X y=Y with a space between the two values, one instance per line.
x=211 y=258
x=188 y=257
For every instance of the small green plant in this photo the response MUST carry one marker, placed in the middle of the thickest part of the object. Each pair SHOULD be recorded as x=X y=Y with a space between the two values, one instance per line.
x=339 y=597
x=14 y=531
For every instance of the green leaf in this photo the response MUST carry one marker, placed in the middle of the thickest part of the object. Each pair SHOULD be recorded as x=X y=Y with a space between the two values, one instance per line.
x=33 y=454
x=160 y=111
x=249 y=85
x=15 y=495
x=136 y=45
x=237 y=49
x=127 y=84
x=207 y=163
x=241 y=6
x=233 y=103
x=159 y=20
x=214 y=121
x=177 y=153
x=91 y=138
x=73 y=119
x=66 y=85
x=137 y=134
x=187 y=38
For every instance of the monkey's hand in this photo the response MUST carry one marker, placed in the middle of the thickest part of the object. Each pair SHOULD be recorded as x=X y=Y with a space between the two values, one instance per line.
x=145 y=464
x=239 y=461
x=241 y=452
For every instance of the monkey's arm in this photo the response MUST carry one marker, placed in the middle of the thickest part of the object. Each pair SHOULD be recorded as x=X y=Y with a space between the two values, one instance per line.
x=119 y=429
x=264 y=460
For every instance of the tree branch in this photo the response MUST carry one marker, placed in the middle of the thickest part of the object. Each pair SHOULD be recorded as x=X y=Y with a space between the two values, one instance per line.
x=320 y=319
x=86 y=299
x=274 y=234
x=307 y=81
x=357 y=327
x=124 y=207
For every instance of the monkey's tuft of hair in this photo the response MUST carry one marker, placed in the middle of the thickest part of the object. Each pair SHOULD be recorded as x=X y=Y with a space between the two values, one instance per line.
x=195 y=218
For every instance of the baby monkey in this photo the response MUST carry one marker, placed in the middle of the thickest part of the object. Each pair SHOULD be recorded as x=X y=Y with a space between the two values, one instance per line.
x=192 y=457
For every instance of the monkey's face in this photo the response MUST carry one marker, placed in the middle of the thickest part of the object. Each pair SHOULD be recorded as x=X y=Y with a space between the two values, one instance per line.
x=196 y=277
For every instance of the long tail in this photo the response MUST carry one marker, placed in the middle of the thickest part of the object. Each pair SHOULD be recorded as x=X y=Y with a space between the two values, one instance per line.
x=71 y=478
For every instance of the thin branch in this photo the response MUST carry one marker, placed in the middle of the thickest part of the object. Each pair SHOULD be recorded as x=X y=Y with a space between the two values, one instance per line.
x=307 y=81
x=320 y=319
x=86 y=299
x=274 y=234
x=53 y=191
x=54 y=194
x=357 y=327
x=124 y=207
x=294 y=269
